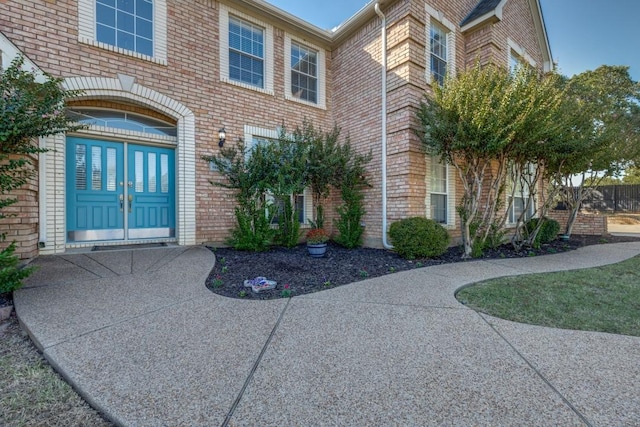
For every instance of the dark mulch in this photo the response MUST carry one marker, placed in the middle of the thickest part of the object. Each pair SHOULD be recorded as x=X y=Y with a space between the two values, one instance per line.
x=304 y=274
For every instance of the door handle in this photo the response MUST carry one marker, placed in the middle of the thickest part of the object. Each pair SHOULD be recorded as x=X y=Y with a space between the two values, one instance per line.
x=121 y=202
x=130 y=202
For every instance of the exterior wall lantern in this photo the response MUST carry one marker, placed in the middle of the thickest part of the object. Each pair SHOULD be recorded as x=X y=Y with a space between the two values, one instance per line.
x=222 y=135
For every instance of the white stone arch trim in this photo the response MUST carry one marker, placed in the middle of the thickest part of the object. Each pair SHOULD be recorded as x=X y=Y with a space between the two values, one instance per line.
x=112 y=89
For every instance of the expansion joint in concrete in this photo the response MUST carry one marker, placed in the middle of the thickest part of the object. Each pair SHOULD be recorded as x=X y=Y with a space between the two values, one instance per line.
x=254 y=368
x=538 y=373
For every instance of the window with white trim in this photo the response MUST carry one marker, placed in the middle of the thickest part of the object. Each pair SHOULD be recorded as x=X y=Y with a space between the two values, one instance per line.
x=515 y=62
x=302 y=203
x=439 y=191
x=304 y=77
x=131 y=27
x=517 y=56
x=522 y=198
x=438 y=42
x=304 y=73
x=246 y=51
x=440 y=46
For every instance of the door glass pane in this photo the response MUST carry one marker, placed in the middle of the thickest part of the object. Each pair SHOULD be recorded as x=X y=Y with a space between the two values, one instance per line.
x=139 y=172
x=111 y=169
x=81 y=167
x=96 y=168
x=164 y=173
x=151 y=169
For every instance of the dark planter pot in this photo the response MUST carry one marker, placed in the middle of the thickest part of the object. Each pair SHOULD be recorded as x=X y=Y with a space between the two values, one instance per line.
x=317 y=250
x=564 y=238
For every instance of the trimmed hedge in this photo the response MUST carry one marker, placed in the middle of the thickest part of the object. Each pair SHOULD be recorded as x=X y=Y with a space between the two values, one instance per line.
x=548 y=232
x=418 y=237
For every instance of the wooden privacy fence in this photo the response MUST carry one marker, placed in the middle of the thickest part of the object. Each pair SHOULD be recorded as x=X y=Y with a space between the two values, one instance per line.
x=614 y=198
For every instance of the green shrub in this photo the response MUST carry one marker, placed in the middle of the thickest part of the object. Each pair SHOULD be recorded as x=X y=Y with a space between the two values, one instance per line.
x=418 y=237
x=548 y=232
x=253 y=230
x=10 y=274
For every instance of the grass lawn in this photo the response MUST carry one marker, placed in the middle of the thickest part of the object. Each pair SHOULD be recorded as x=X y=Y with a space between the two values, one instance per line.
x=31 y=392
x=604 y=299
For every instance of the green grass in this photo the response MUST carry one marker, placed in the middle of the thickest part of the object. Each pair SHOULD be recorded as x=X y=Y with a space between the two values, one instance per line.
x=604 y=299
x=31 y=392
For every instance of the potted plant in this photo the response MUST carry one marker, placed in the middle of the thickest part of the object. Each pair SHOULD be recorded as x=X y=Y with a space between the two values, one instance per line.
x=317 y=240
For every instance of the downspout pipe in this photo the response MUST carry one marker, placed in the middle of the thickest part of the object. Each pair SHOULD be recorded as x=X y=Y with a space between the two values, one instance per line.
x=385 y=243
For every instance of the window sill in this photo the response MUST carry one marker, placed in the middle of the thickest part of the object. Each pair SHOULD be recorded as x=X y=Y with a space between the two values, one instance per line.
x=292 y=98
x=91 y=42
x=246 y=86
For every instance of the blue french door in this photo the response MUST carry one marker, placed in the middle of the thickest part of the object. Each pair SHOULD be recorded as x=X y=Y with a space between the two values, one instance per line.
x=118 y=191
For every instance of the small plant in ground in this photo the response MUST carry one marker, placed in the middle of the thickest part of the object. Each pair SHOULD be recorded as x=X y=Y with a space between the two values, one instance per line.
x=418 y=237
x=327 y=283
x=286 y=292
x=242 y=294
x=531 y=253
x=502 y=255
x=392 y=269
x=222 y=261
x=224 y=269
x=363 y=273
x=603 y=240
x=552 y=250
x=217 y=282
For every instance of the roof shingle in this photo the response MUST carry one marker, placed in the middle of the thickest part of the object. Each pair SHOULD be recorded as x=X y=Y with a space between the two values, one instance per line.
x=483 y=7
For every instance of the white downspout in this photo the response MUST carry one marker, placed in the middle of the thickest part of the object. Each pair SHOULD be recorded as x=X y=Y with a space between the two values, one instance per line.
x=385 y=243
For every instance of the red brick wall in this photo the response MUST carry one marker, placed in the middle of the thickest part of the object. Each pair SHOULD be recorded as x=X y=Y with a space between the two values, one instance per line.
x=353 y=87
x=587 y=223
x=21 y=224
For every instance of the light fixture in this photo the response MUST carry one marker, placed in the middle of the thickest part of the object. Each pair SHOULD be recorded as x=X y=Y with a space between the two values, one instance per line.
x=222 y=135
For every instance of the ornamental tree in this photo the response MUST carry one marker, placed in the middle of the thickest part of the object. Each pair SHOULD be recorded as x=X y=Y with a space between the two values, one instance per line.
x=486 y=123
x=29 y=109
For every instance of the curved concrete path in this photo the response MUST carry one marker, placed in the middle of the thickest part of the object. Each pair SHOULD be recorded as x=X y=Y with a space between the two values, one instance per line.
x=142 y=339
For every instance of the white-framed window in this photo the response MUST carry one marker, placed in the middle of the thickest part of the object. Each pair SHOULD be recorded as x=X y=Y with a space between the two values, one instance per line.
x=305 y=80
x=440 y=188
x=440 y=46
x=522 y=198
x=517 y=56
x=131 y=27
x=303 y=202
x=246 y=51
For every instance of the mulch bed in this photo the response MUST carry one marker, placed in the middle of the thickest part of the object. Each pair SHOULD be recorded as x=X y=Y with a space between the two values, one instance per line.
x=303 y=274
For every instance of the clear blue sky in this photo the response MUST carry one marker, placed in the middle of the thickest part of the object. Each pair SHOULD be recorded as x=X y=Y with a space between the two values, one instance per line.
x=583 y=34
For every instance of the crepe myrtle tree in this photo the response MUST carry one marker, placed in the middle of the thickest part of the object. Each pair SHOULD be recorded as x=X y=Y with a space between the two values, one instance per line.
x=486 y=123
x=603 y=120
x=32 y=106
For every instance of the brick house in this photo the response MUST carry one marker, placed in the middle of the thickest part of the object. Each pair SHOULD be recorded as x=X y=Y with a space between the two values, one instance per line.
x=161 y=77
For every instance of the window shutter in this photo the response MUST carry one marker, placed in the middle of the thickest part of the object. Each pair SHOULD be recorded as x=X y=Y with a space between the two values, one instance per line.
x=451 y=53
x=427 y=27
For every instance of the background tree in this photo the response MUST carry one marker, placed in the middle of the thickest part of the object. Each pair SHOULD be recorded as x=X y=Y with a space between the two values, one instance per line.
x=605 y=124
x=28 y=110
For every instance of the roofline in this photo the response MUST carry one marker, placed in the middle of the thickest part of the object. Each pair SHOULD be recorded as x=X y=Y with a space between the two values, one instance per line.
x=541 y=31
x=494 y=15
x=328 y=38
x=285 y=19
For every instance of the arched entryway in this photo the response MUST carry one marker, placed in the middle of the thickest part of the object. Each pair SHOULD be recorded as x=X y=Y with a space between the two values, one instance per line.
x=129 y=177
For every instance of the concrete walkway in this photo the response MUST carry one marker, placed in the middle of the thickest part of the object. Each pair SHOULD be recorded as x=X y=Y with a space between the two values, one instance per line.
x=143 y=340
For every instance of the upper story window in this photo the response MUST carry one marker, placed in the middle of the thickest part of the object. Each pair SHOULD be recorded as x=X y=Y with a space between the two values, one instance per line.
x=517 y=56
x=441 y=46
x=304 y=73
x=127 y=24
x=131 y=27
x=438 y=53
x=246 y=51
